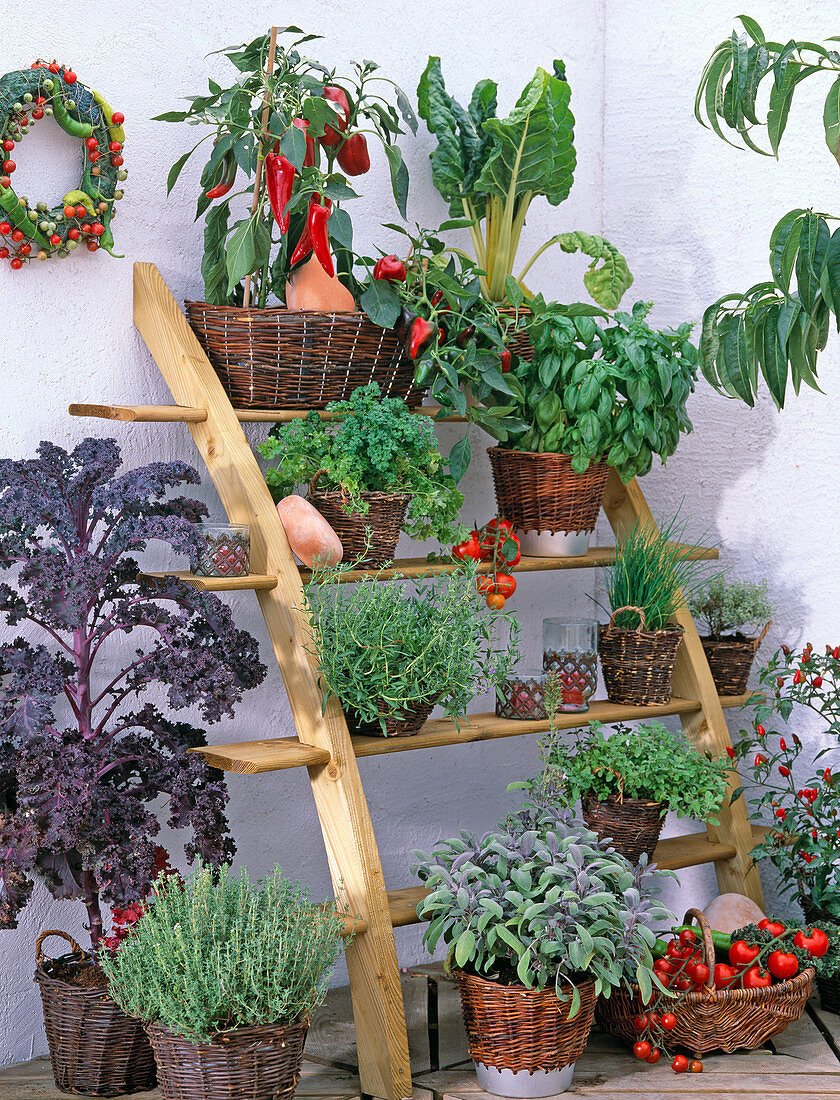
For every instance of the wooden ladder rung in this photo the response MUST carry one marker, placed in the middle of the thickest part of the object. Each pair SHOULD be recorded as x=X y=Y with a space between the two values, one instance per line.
x=154 y=414
x=252 y=582
x=247 y=757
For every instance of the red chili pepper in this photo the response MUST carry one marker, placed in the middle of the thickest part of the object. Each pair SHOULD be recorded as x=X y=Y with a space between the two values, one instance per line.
x=817 y=681
x=730 y=752
x=337 y=96
x=309 y=159
x=464 y=335
x=760 y=730
x=420 y=336
x=227 y=180
x=504 y=360
x=835 y=653
x=316 y=223
x=782 y=744
x=391 y=269
x=353 y=156
x=280 y=179
x=437 y=298
x=783 y=771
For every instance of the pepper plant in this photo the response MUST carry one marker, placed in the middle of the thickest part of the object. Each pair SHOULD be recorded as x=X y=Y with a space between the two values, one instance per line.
x=775 y=329
x=314 y=137
x=490 y=169
x=800 y=795
x=85 y=750
x=538 y=901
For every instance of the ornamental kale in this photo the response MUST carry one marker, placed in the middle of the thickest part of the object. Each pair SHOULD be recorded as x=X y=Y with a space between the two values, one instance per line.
x=83 y=757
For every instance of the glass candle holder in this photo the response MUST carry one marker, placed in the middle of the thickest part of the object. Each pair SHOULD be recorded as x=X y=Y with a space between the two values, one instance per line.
x=225 y=550
x=521 y=695
x=570 y=650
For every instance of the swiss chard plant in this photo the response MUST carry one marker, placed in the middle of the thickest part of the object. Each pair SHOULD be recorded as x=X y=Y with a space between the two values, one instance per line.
x=490 y=169
x=538 y=901
x=85 y=750
x=775 y=329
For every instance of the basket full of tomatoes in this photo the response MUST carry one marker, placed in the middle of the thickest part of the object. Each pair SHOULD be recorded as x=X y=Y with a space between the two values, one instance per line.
x=719 y=992
x=497 y=548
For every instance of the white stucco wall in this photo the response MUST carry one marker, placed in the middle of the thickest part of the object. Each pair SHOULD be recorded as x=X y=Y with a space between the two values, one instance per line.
x=692 y=216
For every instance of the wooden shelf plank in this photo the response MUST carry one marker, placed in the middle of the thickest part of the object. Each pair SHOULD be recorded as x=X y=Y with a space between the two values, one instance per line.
x=275 y=754
x=156 y=414
x=253 y=582
x=253 y=757
x=414 y=567
x=282 y=416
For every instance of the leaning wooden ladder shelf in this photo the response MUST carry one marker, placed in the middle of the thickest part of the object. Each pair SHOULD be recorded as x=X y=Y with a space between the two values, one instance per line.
x=324 y=745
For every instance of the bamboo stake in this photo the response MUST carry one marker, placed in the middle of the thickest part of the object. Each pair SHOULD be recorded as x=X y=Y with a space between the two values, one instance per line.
x=255 y=202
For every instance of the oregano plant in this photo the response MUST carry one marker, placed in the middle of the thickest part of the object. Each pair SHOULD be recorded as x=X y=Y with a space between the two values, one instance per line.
x=85 y=749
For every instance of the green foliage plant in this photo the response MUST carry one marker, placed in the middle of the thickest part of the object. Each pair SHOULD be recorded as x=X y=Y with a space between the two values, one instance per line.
x=641 y=761
x=728 y=606
x=216 y=952
x=775 y=329
x=539 y=900
x=404 y=642
x=654 y=570
x=490 y=169
x=375 y=444
x=598 y=387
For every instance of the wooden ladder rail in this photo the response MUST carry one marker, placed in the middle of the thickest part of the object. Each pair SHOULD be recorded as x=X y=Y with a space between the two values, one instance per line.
x=353 y=855
x=706 y=727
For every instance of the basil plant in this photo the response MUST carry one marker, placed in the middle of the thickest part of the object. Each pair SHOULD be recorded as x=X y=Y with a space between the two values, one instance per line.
x=542 y=900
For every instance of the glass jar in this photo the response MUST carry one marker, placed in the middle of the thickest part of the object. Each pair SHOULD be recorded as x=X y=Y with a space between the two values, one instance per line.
x=521 y=695
x=570 y=651
x=225 y=550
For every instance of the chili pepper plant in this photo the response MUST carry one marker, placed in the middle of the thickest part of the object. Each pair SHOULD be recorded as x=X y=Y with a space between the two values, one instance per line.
x=799 y=794
x=85 y=751
x=313 y=142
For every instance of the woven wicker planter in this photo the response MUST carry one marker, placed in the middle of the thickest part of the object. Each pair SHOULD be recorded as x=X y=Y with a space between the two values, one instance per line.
x=828 y=988
x=371 y=539
x=279 y=358
x=523 y=1030
x=408 y=725
x=95 y=1050
x=716 y=1019
x=632 y=824
x=638 y=665
x=520 y=344
x=250 y=1063
x=731 y=661
x=542 y=493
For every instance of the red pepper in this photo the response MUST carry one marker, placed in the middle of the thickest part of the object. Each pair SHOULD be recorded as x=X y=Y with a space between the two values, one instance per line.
x=316 y=223
x=504 y=359
x=420 y=336
x=391 y=269
x=437 y=298
x=353 y=156
x=228 y=176
x=464 y=335
x=305 y=244
x=280 y=179
x=337 y=96
x=309 y=159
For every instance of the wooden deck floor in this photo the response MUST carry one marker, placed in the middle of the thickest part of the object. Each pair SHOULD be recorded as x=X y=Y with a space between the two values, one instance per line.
x=802 y=1062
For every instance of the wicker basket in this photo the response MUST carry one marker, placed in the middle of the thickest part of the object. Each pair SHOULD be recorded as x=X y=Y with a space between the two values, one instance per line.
x=716 y=1019
x=250 y=1063
x=520 y=344
x=541 y=491
x=632 y=824
x=511 y=1027
x=279 y=358
x=95 y=1050
x=371 y=539
x=731 y=661
x=408 y=725
x=828 y=988
x=638 y=665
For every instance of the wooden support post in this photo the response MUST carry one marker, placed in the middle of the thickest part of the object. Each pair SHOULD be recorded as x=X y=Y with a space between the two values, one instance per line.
x=345 y=819
x=706 y=727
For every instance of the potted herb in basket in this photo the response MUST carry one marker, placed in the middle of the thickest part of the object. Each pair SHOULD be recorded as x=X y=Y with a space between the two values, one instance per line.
x=290 y=135
x=628 y=780
x=389 y=651
x=539 y=919
x=728 y=608
x=368 y=469
x=600 y=392
x=799 y=794
x=85 y=750
x=652 y=576
x=225 y=974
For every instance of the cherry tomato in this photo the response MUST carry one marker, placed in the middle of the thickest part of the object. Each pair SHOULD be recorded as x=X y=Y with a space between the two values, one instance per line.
x=756 y=978
x=699 y=973
x=17 y=235
x=55 y=239
x=641 y=1022
x=815 y=944
x=92 y=143
x=92 y=246
x=73 y=234
x=4 y=253
x=641 y=1049
x=97 y=229
x=775 y=928
x=114 y=146
x=8 y=145
x=653 y=1057
x=38 y=113
x=663 y=966
x=506 y=584
x=16 y=263
x=682 y=984
x=69 y=211
x=669 y=1021
x=782 y=964
x=9 y=167
x=24 y=249
x=742 y=953
x=93 y=156
x=5 y=227
x=86 y=228
x=80 y=211
x=653 y=1019
x=118 y=118
x=70 y=77
x=53 y=67
x=118 y=161
x=496 y=600
x=695 y=1066
x=5 y=181
x=688 y=935
x=679 y=1064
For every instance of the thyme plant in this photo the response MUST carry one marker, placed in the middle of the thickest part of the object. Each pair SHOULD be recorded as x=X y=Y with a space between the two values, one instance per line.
x=728 y=606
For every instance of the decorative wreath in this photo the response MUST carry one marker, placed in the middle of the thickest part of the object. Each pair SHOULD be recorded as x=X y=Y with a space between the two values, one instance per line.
x=84 y=215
